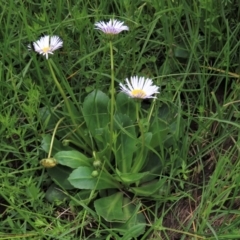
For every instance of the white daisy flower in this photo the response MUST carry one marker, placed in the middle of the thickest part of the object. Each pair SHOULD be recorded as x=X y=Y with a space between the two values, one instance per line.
x=112 y=27
x=47 y=45
x=139 y=87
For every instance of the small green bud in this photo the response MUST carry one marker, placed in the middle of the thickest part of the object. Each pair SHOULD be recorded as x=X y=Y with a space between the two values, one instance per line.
x=97 y=163
x=48 y=162
x=65 y=142
x=94 y=173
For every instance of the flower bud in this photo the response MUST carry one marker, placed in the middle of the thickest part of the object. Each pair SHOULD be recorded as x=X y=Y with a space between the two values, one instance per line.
x=97 y=163
x=94 y=173
x=48 y=162
x=65 y=142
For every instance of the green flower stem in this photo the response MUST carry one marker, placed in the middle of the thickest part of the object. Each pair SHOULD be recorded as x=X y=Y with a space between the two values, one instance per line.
x=139 y=160
x=150 y=113
x=67 y=104
x=137 y=109
x=52 y=140
x=112 y=90
x=60 y=89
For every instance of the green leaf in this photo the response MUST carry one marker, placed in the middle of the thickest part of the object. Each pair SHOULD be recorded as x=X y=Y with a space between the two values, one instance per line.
x=125 y=105
x=54 y=194
x=115 y=208
x=110 y=208
x=154 y=166
x=135 y=222
x=150 y=188
x=143 y=149
x=57 y=145
x=168 y=112
x=82 y=178
x=129 y=178
x=83 y=196
x=159 y=129
x=181 y=52
x=48 y=119
x=125 y=142
x=134 y=231
x=60 y=175
x=95 y=110
x=72 y=159
x=75 y=112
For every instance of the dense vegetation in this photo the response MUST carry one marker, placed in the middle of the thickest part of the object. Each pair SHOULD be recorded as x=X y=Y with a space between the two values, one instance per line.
x=184 y=145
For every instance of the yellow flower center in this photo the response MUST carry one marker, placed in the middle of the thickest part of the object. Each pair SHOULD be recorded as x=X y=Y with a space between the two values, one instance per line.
x=138 y=93
x=46 y=49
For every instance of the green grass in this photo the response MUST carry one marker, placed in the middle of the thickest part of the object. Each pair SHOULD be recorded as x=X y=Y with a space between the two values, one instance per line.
x=188 y=47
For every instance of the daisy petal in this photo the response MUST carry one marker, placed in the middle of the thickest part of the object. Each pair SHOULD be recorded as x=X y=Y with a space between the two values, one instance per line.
x=112 y=27
x=139 y=87
x=47 y=45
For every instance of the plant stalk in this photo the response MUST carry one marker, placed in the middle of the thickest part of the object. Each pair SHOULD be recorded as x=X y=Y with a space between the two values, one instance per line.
x=112 y=91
